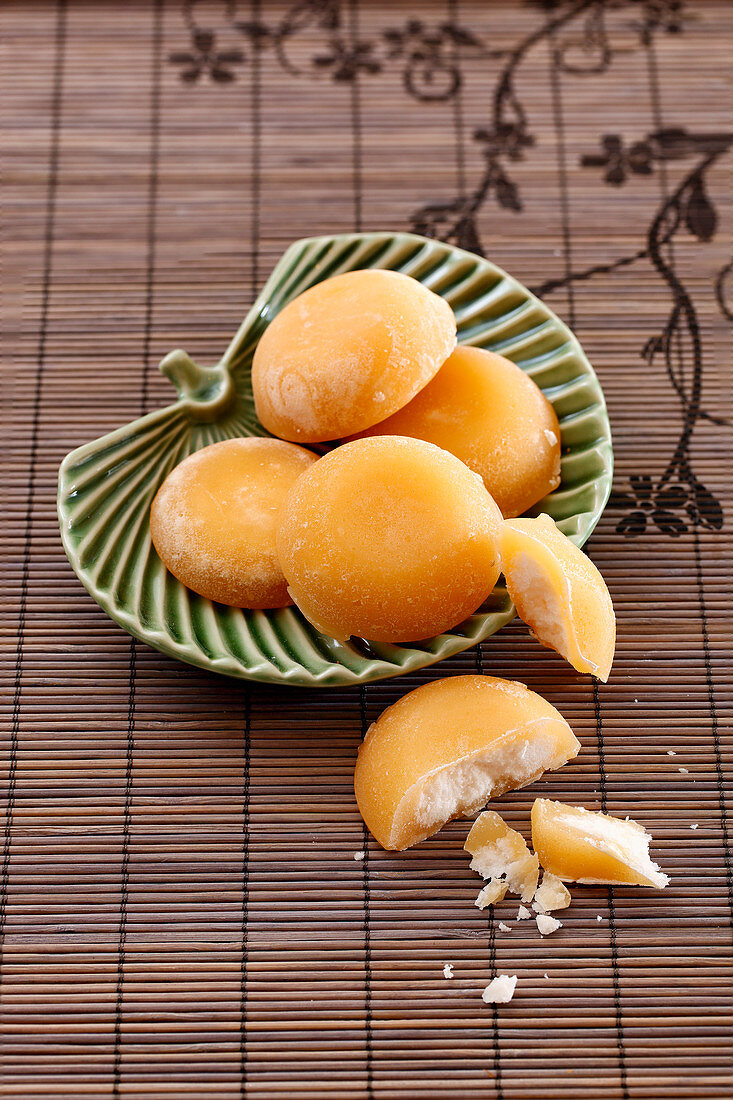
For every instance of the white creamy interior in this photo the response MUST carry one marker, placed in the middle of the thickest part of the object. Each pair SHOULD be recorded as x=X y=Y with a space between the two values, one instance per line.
x=539 y=606
x=464 y=786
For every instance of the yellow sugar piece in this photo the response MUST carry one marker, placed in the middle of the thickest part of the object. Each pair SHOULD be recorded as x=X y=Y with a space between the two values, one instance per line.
x=348 y=352
x=552 y=894
x=389 y=539
x=485 y=410
x=213 y=520
x=448 y=746
x=493 y=892
x=578 y=845
x=559 y=593
x=498 y=850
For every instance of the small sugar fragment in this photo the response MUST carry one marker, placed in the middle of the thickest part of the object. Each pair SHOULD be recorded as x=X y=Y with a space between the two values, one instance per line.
x=524 y=913
x=599 y=918
x=551 y=895
x=671 y=752
x=448 y=970
x=547 y=925
x=504 y=927
x=684 y=771
x=695 y=826
x=359 y=855
x=493 y=891
x=501 y=990
x=546 y=976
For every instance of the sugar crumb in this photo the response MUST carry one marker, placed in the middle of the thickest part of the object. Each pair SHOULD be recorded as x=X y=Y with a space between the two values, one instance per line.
x=546 y=976
x=504 y=927
x=671 y=752
x=695 y=826
x=501 y=990
x=546 y=924
x=359 y=855
x=448 y=970
x=684 y=771
x=523 y=913
x=599 y=918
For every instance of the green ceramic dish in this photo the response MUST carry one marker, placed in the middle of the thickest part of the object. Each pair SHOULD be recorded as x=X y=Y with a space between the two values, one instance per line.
x=106 y=487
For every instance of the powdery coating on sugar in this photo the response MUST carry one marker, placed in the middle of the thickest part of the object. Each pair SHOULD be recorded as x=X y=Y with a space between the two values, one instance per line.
x=348 y=352
x=389 y=539
x=213 y=519
x=485 y=410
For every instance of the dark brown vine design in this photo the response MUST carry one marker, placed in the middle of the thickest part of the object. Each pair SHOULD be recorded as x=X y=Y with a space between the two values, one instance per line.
x=311 y=40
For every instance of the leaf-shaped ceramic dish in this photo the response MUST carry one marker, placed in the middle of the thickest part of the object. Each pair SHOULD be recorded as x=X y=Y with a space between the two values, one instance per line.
x=106 y=487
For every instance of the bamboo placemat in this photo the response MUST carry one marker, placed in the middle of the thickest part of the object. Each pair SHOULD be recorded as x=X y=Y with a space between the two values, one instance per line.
x=182 y=914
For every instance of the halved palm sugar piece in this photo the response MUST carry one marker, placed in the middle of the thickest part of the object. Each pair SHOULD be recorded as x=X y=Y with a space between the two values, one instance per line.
x=579 y=845
x=446 y=747
x=389 y=539
x=559 y=593
x=348 y=352
x=501 y=852
x=213 y=519
x=485 y=410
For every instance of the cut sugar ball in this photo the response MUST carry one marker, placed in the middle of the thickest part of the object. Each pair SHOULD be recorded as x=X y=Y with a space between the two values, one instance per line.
x=580 y=846
x=494 y=891
x=448 y=970
x=504 y=927
x=347 y=352
x=448 y=746
x=559 y=593
x=501 y=990
x=213 y=520
x=546 y=924
x=485 y=410
x=499 y=850
x=552 y=894
x=523 y=913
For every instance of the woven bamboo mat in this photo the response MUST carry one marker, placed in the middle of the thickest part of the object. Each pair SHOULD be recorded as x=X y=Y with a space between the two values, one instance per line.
x=182 y=914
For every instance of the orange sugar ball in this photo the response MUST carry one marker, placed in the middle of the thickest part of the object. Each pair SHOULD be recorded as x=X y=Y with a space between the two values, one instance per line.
x=213 y=519
x=390 y=539
x=485 y=410
x=348 y=352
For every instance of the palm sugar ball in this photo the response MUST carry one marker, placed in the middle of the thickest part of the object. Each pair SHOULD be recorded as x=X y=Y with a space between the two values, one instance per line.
x=213 y=519
x=347 y=353
x=485 y=410
x=390 y=539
